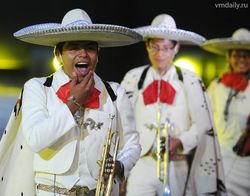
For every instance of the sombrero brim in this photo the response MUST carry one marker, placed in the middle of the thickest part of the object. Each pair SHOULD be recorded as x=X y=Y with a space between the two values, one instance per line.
x=50 y=34
x=221 y=46
x=182 y=36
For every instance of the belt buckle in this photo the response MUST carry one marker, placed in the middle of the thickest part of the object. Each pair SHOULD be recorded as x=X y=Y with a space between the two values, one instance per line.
x=80 y=191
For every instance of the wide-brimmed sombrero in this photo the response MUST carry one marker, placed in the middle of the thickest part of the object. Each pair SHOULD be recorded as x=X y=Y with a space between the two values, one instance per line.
x=239 y=40
x=76 y=26
x=164 y=26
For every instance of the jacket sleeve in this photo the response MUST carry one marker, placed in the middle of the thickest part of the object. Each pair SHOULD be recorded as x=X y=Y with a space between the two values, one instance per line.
x=197 y=106
x=131 y=150
x=41 y=128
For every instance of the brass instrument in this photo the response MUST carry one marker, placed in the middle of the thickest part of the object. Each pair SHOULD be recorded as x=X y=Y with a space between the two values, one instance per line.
x=162 y=157
x=104 y=185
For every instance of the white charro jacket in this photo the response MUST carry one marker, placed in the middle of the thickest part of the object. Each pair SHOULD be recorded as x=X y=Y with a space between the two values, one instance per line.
x=229 y=131
x=186 y=113
x=52 y=133
x=192 y=123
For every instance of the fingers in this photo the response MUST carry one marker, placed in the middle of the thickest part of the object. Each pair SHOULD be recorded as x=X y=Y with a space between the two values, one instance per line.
x=89 y=77
x=113 y=166
x=83 y=80
x=74 y=81
x=75 y=77
x=82 y=87
x=109 y=161
x=88 y=82
x=108 y=168
x=109 y=164
x=174 y=145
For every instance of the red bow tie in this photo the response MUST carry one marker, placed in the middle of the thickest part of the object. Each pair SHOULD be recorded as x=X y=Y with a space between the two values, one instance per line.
x=167 y=93
x=235 y=81
x=93 y=101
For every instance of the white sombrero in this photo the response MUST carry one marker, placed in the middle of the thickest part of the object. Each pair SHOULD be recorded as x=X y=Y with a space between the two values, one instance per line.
x=239 y=40
x=76 y=26
x=164 y=26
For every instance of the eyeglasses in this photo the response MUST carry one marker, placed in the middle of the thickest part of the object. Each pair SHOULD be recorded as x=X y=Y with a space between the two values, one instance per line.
x=155 y=48
x=240 y=54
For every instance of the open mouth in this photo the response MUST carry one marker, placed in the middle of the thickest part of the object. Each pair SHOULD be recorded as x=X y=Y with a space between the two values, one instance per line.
x=82 y=69
x=81 y=65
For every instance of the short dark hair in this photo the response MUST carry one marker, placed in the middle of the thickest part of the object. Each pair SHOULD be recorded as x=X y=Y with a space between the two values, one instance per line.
x=59 y=47
x=231 y=50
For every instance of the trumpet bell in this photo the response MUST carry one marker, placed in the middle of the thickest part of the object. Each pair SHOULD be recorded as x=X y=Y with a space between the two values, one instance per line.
x=166 y=191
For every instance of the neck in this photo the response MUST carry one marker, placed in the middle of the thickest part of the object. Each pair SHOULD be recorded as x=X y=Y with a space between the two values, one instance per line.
x=246 y=74
x=162 y=71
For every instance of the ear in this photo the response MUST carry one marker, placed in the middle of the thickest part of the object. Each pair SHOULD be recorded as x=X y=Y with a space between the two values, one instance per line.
x=58 y=56
x=176 y=48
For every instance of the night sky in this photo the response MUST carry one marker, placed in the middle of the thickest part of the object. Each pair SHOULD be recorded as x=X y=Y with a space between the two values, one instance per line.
x=203 y=17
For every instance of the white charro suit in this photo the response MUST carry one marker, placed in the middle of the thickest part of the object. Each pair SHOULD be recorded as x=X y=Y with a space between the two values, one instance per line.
x=66 y=155
x=189 y=116
x=236 y=168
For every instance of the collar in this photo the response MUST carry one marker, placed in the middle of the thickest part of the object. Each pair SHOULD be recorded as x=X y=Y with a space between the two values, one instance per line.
x=154 y=75
x=60 y=78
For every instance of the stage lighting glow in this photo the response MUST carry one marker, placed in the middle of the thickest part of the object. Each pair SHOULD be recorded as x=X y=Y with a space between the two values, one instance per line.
x=189 y=64
x=56 y=64
x=9 y=64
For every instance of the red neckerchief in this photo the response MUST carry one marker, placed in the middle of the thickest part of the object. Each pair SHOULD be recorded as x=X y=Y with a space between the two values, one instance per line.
x=235 y=81
x=93 y=101
x=167 y=93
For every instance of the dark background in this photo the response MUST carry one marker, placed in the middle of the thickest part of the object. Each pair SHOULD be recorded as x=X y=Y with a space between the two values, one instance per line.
x=199 y=16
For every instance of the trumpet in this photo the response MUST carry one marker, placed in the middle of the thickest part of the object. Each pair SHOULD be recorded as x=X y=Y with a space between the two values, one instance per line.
x=104 y=184
x=163 y=156
x=162 y=139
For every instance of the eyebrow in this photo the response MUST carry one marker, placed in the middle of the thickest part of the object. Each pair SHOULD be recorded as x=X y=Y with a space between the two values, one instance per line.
x=82 y=43
x=169 y=45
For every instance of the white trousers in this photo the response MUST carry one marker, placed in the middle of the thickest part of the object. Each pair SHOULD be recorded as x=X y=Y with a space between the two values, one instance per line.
x=143 y=179
x=237 y=173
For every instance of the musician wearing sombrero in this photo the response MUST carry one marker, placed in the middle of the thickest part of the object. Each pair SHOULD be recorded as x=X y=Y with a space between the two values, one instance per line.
x=230 y=99
x=164 y=95
x=66 y=117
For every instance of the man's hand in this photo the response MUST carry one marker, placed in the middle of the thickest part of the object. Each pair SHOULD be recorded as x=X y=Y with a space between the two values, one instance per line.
x=82 y=87
x=174 y=145
x=109 y=165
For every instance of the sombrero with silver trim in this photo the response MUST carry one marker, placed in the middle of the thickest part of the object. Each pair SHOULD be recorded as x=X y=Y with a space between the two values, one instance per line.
x=164 y=26
x=76 y=26
x=239 y=40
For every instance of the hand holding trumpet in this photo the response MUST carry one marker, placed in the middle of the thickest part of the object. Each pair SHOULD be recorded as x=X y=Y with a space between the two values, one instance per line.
x=174 y=145
x=110 y=165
